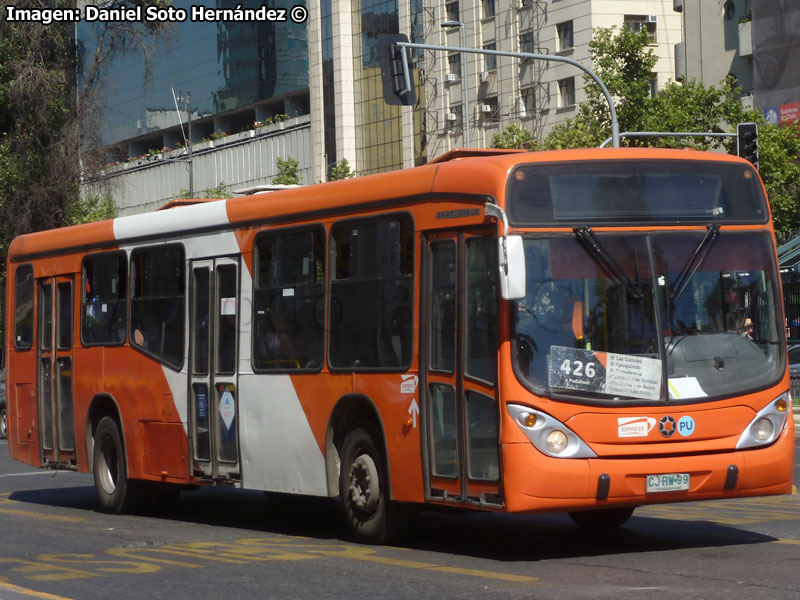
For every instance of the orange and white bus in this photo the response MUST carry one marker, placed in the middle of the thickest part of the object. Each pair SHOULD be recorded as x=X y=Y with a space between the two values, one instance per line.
x=584 y=331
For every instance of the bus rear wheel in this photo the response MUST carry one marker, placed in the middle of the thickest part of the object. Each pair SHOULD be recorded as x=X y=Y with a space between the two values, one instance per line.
x=603 y=518
x=116 y=493
x=364 y=488
x=3 y=424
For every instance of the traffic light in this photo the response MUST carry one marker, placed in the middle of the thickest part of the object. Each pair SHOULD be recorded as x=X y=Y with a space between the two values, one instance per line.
x=747 y=142
x=398 y=85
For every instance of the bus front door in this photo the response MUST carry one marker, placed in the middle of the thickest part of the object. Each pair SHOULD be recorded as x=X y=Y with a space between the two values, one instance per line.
x=213 y=399
x=460 y=409
x=54 y=366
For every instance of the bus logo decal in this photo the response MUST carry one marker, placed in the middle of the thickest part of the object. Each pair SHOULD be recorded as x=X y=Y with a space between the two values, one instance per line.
x=686 y=426
x=666 y=426
x=409 y=385
x=635 y=426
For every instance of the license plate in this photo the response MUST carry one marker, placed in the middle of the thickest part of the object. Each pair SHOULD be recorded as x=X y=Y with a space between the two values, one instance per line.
x=667 y=482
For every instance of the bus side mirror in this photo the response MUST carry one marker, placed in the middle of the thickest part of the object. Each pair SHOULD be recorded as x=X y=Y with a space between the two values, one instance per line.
x=511 y=256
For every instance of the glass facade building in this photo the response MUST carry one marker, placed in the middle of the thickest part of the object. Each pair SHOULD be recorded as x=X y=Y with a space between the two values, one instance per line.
x=238 y=72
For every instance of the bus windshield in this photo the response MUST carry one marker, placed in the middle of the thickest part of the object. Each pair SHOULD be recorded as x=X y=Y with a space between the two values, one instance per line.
x=656 y=316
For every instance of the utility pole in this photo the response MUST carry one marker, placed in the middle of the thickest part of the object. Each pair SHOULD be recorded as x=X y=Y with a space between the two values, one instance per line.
x=189 y=143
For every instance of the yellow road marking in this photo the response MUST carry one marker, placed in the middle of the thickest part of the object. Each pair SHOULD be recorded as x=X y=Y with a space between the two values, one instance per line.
x=27 y=513
x=792 y=542
x=33 y=593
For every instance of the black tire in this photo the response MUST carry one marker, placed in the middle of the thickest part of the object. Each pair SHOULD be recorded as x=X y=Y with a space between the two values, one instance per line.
x=115 y=491
x=603 y=518
x=3 y=423
x=366 y=501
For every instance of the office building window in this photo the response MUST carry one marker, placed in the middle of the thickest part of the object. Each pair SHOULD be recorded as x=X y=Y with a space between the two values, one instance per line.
x=639 y=23
x=566 y=92
x=455 y=118
x=490 y=60
x=564 y=33
x=489 y=110
x=528 y=101
x=454 y=64
x=526 y=42
x=451 y=10
x=488 y=8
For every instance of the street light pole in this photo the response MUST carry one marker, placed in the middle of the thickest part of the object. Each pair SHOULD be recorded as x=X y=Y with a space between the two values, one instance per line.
x=189 y=142
x=464 y=82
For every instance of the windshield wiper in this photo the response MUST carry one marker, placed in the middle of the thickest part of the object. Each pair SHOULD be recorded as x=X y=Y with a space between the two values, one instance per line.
x=587 y=237
x=694 y=262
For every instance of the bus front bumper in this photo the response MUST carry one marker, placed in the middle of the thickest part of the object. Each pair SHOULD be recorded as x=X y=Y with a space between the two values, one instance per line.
x=534 y=482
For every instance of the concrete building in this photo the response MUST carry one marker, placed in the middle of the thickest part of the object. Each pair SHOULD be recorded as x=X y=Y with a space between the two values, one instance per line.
x=537 y=95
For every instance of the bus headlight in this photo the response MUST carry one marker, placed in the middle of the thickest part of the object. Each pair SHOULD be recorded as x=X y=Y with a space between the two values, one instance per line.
x=550 y=436
x=556 y=441
x=763 y=430
x=767 y=425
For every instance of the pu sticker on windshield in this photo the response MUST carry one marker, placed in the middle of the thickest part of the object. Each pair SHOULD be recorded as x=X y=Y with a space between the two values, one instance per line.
x=605 y=373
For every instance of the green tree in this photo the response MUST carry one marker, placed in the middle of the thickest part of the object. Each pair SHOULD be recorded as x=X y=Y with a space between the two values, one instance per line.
x=513 y=136
x=341 y=170
x=91 y=207
x=624 y=63
x=48 y=118
x=287 y=172
x=778 y=152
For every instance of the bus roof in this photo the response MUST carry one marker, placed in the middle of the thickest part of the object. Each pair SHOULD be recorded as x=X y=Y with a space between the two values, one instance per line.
x=484 y=175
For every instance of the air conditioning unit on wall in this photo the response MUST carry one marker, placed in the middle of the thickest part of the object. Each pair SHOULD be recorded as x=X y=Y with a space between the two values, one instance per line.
x=485 y=108
x=652 y=18
x=450 y=117
x=484 y=76
x=450 y=77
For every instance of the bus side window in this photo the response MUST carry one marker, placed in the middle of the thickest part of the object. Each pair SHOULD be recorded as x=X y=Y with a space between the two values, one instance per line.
x=371 y=294
x=158 y=302
x=23 y=307
x=104 y=299
x=288 y=300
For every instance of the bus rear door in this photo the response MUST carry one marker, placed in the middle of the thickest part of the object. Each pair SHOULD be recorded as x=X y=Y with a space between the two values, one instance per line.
x=54 y=366
x=213 y=397
x=460 y=401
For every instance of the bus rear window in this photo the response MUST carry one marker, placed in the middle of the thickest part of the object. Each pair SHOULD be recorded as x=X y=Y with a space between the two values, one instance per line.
x=635 y=191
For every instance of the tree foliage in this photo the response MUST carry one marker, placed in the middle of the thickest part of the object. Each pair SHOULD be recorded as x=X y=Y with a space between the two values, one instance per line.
x=91 y=207
x=341 y=170
x=218 y=191
x=624 y=62
x=287 y=172
x=512 y=137
x=47 y=118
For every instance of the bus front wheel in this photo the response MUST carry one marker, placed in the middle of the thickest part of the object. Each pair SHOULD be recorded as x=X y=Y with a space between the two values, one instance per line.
x=116 y=493
x=363 y=488
x=603 y=518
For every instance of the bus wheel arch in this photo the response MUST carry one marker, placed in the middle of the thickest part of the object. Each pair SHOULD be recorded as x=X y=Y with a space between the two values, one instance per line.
x=102 y=405
x=107 y=451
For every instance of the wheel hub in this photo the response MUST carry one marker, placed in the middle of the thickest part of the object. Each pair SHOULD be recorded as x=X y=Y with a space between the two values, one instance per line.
x=364 y=484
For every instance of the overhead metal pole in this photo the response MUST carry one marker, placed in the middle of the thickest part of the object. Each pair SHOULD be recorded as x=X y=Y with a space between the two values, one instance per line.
x=189 y=143
x=667 y=134
x=550 y=57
